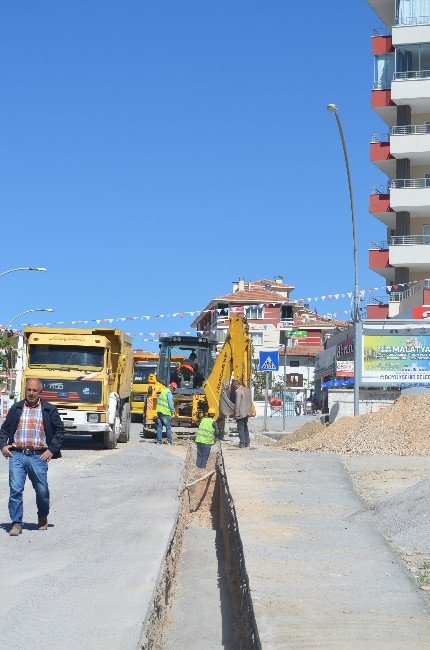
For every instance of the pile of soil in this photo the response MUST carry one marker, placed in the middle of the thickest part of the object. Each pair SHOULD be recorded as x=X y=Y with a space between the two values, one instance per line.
x=402 y=429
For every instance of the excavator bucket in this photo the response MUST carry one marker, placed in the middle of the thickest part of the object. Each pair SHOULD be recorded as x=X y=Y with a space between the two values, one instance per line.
x=226 y=406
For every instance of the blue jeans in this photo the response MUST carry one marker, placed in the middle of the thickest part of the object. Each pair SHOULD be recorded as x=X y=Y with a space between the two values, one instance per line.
x=164 y=420
x=203 y=451
x=20 y=466
x=242 y=429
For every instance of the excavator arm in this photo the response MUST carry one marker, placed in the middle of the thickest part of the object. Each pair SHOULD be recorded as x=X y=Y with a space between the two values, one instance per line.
x=233 y=362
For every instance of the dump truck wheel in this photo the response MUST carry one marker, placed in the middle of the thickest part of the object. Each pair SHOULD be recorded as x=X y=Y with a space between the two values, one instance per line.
x=124 y=435
x=111 y=437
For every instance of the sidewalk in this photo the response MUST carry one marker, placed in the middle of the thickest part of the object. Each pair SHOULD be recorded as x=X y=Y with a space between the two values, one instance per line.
x=275 y=423
x=318 y=580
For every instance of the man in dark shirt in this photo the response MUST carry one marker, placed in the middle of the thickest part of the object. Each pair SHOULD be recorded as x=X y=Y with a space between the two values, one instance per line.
x=31 y=435
x=187 y=367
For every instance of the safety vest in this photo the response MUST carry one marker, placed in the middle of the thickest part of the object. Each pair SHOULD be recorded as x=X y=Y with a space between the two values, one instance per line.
x=206 y=432
x=163 y=403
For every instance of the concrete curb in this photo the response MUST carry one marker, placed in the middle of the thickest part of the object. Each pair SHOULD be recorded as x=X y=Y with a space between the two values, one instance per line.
x=160 y=600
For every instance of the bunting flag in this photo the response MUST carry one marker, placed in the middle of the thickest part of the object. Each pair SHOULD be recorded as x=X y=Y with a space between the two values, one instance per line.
x=400 y=287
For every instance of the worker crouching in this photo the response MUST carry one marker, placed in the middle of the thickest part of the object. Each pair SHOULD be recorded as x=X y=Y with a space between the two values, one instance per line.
x=205 y=438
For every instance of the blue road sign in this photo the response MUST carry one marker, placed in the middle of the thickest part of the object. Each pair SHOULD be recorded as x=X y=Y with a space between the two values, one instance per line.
x=269 y=361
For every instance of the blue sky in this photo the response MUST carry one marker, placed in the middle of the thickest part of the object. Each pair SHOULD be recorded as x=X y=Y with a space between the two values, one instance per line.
x=152 y=152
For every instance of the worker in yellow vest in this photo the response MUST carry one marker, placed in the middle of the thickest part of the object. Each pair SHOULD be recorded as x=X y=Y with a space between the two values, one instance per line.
x=165 y=410
x=205 y=438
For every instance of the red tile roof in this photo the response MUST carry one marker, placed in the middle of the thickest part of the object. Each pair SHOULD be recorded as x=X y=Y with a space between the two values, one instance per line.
x=272 y=283
x=260 y=295
x=316 y=321
x=256 y=294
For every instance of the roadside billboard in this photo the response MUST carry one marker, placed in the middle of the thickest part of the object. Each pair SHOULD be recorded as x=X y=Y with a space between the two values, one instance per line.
x=396 y=360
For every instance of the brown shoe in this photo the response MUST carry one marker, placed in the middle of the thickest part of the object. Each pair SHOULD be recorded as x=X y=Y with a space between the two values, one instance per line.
x=15 y=530
x=42 y=523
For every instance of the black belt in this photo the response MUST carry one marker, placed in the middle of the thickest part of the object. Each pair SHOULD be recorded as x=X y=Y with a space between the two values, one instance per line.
x=28 y=451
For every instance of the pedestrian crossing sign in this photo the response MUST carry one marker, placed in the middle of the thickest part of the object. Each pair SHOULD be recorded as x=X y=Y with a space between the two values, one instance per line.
x=269 y=361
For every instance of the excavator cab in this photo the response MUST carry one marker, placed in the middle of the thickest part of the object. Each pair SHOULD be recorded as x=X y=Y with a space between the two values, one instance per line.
x=202 y=378
x=196 y=356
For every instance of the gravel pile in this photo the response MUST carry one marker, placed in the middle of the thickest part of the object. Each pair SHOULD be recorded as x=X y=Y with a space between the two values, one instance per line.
x=402 y=429
x=404 y=518
x=305 y=433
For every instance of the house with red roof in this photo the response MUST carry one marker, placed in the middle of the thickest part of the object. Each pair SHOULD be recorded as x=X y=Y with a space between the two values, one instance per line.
x=276 y=322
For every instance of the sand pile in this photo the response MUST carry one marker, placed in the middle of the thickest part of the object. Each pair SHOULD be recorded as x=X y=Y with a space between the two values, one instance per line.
x=402 y=429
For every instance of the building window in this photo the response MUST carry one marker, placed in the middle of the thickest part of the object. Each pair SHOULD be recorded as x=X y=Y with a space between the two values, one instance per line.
x=294 y=364
x=384 y=71
x=294 y=381
x=287 y=312
x=413 y=12
x=257 y=338
x=224 y=313
x=413 y=61
x=254 y=311
x=221 y=335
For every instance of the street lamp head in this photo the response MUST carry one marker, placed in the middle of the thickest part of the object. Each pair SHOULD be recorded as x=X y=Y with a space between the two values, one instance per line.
x=48 y=309
x=332 y=108
x=38 y=268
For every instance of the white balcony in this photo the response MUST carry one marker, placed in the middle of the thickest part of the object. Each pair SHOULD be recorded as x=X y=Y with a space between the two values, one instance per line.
x=412 y=141
x=410 y=195
x=409 y=31
x=412 y=89
x=401 y=301
x=385 y=10
x=411 y=251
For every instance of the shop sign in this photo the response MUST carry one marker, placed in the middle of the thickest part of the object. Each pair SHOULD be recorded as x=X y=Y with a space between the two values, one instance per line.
x=345 y=368
x=345 y=349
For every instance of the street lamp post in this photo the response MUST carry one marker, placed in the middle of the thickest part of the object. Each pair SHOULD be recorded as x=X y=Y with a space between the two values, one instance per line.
x=24 y=268
x=27 y=311
x=356 y=314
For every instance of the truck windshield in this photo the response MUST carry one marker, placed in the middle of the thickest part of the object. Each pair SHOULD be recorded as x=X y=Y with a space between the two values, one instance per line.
x=200 y=358
x=141 y=374
x=66 y=355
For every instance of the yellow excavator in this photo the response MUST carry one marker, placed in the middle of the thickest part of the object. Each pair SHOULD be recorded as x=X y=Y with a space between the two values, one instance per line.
x=208 y=385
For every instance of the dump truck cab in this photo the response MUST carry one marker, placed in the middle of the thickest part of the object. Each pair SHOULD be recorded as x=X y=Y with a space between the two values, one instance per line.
x=142 y=370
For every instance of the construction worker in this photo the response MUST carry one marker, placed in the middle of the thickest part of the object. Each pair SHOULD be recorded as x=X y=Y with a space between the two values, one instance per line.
x=205 y=438
x=187 y=367
x=165 y=410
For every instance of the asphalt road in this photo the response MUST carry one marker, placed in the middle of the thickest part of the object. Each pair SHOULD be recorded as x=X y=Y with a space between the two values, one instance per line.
x=87 y=581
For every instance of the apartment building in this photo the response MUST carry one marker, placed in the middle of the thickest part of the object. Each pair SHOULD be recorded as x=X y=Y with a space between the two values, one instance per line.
x=401 y=98
x=276 y=321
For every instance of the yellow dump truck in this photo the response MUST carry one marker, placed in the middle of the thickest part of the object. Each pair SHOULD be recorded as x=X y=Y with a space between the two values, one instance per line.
x=87 y=374
x=145 y=363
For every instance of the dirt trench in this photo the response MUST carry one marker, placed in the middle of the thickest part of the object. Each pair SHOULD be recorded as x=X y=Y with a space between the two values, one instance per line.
x=202 y=597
